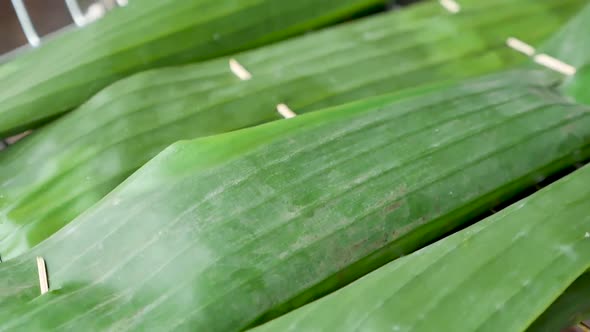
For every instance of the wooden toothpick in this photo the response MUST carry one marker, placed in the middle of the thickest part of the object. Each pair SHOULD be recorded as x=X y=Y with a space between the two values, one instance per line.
x=42 y=270
x=239 y=70
x=451 y=5
x=285 y=111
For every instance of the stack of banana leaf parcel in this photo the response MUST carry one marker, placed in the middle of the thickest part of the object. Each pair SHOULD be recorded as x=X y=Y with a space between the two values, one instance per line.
x=274 y=165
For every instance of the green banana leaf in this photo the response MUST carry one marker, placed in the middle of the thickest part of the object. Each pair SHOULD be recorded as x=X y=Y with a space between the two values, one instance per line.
x=568 y=310
x=578 y=86
x=62 y=74
x=90 y=151
x=224 y=232
x=572 y=45
x=497 y=275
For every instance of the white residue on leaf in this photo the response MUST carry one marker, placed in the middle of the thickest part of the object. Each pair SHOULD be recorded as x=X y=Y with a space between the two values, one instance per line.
x=373 y=35
x=520 y=235
x=568 y=251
